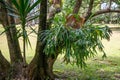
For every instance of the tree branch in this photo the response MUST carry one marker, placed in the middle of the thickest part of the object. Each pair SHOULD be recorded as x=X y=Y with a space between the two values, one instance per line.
x=55 y=8
x=105 y=11
x=77 y=6
x=89 y=9
x=102 y=12
x=110 y=3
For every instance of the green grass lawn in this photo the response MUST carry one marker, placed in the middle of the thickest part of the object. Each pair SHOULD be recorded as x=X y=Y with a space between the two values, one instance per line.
x=29 y=50
x=97 y=68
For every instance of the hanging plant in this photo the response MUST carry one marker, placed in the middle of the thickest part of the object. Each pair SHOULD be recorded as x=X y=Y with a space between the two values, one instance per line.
x=76 y=44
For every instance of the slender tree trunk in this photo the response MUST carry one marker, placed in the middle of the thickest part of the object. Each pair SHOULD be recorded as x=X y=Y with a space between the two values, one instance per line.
x=13 y=44
x=37 y=66
x=41 y=67
x=77 y=6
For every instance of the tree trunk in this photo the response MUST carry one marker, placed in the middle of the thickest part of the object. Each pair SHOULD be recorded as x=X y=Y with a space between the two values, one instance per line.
x=36 y=67
x=41 y=67
x=13 y=44
x=4 y=67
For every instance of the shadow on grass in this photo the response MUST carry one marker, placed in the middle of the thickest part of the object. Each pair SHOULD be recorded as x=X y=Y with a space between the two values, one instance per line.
x=97 y=69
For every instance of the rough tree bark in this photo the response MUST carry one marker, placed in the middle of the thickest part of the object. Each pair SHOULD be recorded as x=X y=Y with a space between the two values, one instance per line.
x=4 y=67
x=42 y=64
x=37 y=67
x=89 y=11
x=77 y=6
x=13 y=44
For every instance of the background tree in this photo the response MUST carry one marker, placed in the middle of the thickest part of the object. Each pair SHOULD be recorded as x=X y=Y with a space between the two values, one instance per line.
x=77 y=41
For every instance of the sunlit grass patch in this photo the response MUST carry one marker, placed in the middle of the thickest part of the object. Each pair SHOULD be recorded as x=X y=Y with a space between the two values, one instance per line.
x=97 y=67
x=30 y=51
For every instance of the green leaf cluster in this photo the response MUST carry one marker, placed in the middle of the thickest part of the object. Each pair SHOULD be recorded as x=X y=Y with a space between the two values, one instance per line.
x=76 y=45
x=21 y=9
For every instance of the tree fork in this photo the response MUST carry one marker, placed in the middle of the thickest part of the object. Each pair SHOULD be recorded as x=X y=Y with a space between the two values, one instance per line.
x=13 y=44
